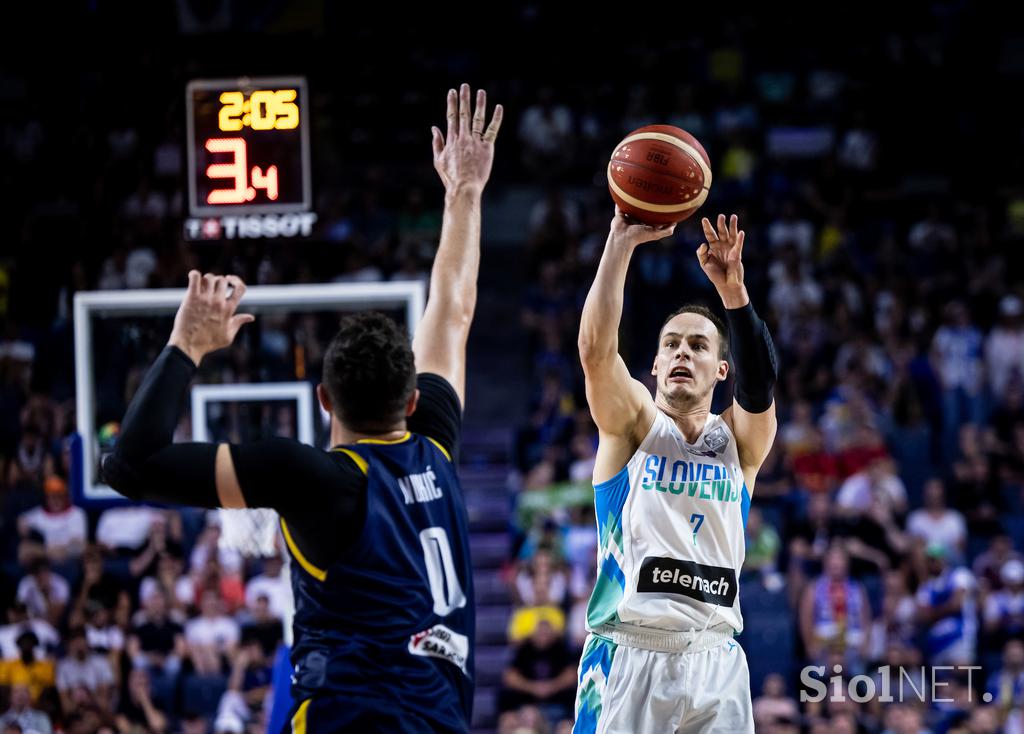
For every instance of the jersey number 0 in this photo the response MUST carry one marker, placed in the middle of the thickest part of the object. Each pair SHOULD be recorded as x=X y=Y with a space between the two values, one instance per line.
x=444 y=582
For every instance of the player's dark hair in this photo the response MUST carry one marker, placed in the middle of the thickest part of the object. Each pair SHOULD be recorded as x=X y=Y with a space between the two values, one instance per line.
x=369 y=372
x=723 y=332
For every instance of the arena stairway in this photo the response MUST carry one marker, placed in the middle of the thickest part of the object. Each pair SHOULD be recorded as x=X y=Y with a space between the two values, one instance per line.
x=489 y=509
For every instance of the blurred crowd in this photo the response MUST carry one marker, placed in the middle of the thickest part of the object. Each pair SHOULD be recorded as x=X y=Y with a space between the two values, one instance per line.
x=887 y=523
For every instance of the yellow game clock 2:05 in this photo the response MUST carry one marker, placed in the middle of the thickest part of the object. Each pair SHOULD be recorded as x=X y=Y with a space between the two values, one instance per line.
x=263 y=109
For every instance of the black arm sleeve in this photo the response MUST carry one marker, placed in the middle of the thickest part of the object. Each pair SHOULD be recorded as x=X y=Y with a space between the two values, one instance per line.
x=144 y=465
x=438 y=413
x=754 y=357
x=156 y=407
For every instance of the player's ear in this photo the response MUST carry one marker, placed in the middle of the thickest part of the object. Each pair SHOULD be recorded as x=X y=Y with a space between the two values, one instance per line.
x=723 y=370
x=324 y=398
x=654 y=366
x=410 y=407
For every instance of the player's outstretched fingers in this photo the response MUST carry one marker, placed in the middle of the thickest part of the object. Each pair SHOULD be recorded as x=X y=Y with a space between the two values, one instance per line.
x=723 y=228
x=195 y=278
x=709 y=232
x=491 y=134
x=220 y=289
x=436 y=142
x=734 y=226
x=209 y=281
x=480 y=112
x=452 y=115
x=464 y=110
x=237 y=289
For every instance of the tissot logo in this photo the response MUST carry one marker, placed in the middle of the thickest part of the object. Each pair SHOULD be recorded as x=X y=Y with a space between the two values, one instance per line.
x=711 y=584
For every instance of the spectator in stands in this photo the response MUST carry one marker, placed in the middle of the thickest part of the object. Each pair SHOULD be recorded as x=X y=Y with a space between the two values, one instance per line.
x=177 y=587
x=790 y=229
x=876 y=484
x=125 y=530
x=44 y=593
x=35 y=673
x=895 y=624
x=541 y=581
x=976 y=489
x=903 y=718
x=271 y=584
x=56 y=530
x=946 y=609
x=762 y=545
x=773 y=705
x=136 y=709
x=156 y=642
x=957 y=355
x=1004 y=608
x=31 y=721
x=1004 y=347
x=1006 y=685
x=211 y=638
x=809 y=539
x=546 y=131
x=262 y=626
x=835 y=615
x=84 y=678
x=988 y=567
x=98 y=586
x=542 y=672
x=227 y=585
x=19 y=622
x=936 y=524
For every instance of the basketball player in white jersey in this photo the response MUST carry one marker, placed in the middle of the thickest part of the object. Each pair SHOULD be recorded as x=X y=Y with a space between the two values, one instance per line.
x=672 y=486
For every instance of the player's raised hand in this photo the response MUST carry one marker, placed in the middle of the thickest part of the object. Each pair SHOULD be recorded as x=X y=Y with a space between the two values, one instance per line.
x=630 y=232
x=721 y=257
x=464 y=155
x=206 y=320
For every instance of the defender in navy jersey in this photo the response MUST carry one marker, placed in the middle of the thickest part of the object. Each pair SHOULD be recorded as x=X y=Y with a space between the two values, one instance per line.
x=384 y=619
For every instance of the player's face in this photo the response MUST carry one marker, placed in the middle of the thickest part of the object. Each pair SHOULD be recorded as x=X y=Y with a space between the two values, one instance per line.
x=687 y=364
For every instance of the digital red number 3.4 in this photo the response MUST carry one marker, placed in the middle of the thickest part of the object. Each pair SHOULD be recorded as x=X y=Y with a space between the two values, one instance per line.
x=237 y=169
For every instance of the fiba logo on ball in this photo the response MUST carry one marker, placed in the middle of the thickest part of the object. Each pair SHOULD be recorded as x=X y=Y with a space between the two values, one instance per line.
x=659 y=175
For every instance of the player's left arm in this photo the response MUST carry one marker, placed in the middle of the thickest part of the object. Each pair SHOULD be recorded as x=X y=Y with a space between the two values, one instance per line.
x=752 y=413
x=463 y=159
x=146 y=466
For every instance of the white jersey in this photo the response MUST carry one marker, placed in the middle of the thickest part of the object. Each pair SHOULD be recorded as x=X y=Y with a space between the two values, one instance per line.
x=671 y=527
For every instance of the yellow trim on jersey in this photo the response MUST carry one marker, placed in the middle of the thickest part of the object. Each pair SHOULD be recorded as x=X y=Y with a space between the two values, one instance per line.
x=441 y=448
x=299 y=720
x=403 y=439
x=359 y=460
x=318 y=573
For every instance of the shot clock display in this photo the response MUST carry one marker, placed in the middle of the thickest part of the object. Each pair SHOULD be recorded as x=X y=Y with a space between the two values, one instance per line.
x=248 y=146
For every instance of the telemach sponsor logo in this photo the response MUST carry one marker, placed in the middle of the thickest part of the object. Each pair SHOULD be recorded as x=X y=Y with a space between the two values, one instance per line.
x=711 y=584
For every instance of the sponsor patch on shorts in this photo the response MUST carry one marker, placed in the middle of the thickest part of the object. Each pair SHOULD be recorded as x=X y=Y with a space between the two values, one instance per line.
x=441 y=642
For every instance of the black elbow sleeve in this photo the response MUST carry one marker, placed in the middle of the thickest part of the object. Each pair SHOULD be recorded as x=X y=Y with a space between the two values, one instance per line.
x=754 y=359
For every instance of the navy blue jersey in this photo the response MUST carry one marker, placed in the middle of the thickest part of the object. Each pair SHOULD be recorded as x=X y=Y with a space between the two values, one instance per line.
x=391 y=623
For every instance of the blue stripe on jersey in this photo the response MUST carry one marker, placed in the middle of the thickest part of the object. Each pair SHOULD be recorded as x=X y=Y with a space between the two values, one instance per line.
x=745 y=505
x=609 y=499
x=610 y=568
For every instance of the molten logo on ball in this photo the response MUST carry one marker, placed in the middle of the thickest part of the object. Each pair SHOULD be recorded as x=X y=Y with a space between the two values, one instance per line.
x=659 y=174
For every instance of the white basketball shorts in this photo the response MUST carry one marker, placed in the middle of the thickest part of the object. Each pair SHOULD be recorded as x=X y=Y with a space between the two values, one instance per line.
x=640 y=681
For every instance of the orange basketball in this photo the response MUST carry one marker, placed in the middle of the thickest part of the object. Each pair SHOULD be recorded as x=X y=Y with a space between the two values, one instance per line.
x=659 y=174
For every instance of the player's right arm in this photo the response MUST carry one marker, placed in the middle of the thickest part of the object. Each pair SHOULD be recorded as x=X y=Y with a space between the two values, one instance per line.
x=463 y=160
x=621 y=406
